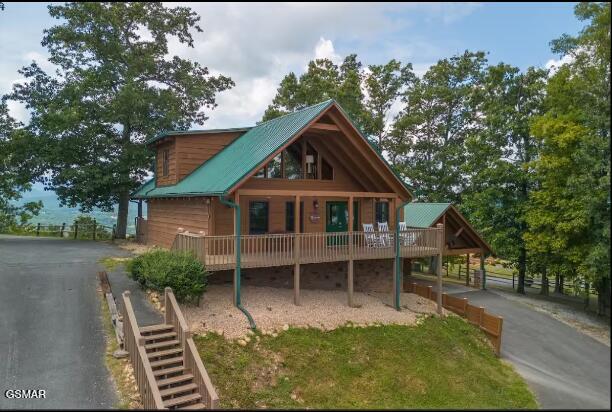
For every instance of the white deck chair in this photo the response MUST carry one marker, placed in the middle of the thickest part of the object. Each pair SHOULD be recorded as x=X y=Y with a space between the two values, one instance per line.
x=371 y=238
x=407 y=238
x=383 y=230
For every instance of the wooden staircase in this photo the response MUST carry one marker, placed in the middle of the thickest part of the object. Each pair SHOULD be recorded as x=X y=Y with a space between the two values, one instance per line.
x=174 y=381
x=167 y=366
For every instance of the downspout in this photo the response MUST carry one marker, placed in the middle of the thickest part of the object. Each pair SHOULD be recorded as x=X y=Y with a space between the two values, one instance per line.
x=398 y=274
x=236 y=207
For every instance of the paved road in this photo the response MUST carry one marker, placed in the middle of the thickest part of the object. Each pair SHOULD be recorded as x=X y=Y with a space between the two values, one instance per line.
x=51 y=333
x=566 y=369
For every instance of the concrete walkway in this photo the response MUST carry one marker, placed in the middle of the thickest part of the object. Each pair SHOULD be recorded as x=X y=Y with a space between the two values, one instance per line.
x=565 y=368
x=52 y=336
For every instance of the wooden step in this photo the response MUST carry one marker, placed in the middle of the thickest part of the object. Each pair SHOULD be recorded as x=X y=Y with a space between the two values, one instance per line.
x=149 y=338
x=175 y=379
x=161 y=353
x=155 y=328
x=162 y=344
x=164 y=362
x=178 y=389
x=167 y=371
x=198 y=405
x=182 y=400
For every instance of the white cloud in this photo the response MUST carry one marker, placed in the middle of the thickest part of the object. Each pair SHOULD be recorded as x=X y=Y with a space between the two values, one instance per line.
x=325 y=50
x=553 y=64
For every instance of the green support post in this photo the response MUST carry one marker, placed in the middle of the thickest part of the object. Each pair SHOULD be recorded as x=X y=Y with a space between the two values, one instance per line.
x=76 y=229
x=94 y=230
x=398 y=274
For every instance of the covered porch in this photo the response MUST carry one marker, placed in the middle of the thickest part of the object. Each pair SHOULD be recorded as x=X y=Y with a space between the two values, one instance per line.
x=328 y=236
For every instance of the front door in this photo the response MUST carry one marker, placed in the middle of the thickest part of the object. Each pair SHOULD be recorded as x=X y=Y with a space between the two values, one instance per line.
x=336 y=221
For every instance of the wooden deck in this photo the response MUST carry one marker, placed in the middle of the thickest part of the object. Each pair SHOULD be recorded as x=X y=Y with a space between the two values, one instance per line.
x=218 y=252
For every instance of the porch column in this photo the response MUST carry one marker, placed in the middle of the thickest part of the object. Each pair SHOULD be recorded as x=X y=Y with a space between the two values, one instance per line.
x=350 y=274
x=236 y=224
x=440 y=227
x=296 y=251
x=467 y=269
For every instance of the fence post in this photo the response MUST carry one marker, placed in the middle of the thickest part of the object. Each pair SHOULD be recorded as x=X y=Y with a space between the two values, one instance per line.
x=38 y=229
x=62 y=229
x=513 y=280
x=113 y=234
x=94 y=230
x=76 y=229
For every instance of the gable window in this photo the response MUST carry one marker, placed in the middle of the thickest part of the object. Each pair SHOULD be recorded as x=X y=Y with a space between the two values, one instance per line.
x=275 y=167
x=258 y=217
x=165 y=162
x=312 y=160
x=327 y=171
x=290 y=217
x=292 y=160
x=382 y=212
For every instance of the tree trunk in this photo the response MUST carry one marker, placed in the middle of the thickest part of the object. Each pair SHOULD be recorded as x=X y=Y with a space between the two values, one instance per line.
x=522 y=269
x=561 y=280
x=544 y=287
x=603 y=297
x=122 y=214
x=557 y=284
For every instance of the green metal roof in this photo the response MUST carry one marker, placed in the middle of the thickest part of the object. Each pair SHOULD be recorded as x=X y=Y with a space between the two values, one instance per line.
x=246 y=153
x=204 y=131
x=423 y=214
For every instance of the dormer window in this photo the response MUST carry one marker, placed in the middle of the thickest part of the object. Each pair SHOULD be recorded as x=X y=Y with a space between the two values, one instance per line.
x=165 y=162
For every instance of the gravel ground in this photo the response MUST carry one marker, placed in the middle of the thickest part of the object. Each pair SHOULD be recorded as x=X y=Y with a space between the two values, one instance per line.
x=589 y=324
x=273 y=310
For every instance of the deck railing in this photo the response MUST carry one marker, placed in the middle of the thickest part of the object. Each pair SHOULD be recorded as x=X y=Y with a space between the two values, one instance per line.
x=191 y=357
x=218 y=252
x=134 y=345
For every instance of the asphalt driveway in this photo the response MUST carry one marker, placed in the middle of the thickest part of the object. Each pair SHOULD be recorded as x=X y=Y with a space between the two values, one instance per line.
x=51 y=333
x=565 y=368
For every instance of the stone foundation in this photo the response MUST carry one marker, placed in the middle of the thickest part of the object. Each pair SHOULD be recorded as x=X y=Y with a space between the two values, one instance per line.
x=370 y=276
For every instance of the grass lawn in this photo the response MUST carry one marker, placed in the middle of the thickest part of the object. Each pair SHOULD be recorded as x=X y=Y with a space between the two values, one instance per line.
x=441 y=363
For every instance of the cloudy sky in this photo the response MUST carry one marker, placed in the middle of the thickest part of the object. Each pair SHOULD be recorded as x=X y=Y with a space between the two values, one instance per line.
x=257 y=44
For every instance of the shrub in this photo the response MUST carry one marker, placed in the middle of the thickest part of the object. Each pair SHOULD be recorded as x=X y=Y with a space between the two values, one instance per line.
x=181 y=271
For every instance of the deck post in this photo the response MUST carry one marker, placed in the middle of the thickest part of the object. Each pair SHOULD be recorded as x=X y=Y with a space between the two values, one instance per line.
x=440 y=242
x=236 y=297
x=482 y=268
x=350 y=273
x=467 y=269
x=296 y=251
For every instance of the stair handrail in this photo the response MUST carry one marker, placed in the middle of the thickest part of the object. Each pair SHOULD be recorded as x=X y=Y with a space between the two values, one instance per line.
x=191 y=357
x=134 y=344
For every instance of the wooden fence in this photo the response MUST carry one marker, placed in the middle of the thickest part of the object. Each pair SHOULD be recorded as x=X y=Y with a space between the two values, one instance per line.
x=134 y=344
x=491 y=325
x=191 y=357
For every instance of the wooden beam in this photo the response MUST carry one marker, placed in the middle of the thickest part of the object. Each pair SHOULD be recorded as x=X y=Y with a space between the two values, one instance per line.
x=455 y=252
x=457 y=233
x=325 y=127
x=467 y=269
x=296 y=252
x=330 y=148
x=312 y=193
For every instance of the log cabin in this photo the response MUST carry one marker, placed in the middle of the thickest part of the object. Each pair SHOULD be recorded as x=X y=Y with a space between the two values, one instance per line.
x=302 y=200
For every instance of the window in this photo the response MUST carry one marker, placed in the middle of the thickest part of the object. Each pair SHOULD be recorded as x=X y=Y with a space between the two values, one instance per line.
x=327 y=172
x=258 y=217
x=261 y=172
x=382 y=212
x=165 y=162
x=275 y=167
x=290 y=217
x=312 y=159
x=292 y=158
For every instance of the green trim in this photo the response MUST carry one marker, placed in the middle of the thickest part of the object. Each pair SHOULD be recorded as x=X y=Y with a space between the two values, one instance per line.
x=236 y=207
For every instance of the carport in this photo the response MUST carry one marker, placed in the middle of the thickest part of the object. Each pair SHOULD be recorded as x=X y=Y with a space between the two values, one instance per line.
x=461 y=238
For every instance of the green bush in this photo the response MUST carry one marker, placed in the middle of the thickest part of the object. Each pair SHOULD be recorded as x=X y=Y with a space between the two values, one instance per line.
x=181 y=271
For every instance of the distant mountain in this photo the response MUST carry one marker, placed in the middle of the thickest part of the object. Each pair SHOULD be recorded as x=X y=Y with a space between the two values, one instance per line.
x=53 y=213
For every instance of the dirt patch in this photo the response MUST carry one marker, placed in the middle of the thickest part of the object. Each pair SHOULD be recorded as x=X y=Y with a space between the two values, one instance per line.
x=135 y=248
x=273 y=310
